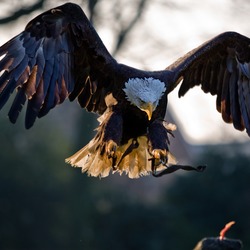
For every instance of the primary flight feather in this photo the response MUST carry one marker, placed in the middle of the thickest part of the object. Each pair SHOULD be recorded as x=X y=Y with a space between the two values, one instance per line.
x=59 y=55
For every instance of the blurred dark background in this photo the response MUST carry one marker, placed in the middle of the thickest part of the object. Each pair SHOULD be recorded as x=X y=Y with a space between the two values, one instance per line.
x=46 y=204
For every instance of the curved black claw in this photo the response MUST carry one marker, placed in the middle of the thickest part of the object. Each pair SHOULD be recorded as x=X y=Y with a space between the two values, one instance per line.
x=172 y=168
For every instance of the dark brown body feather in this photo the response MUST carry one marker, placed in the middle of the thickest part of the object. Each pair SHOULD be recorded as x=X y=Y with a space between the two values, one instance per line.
x=59 y=55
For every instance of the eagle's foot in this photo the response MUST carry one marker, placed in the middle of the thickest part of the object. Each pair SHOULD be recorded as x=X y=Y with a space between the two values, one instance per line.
x=110 y=150
x=111 y=147
x=159 y=156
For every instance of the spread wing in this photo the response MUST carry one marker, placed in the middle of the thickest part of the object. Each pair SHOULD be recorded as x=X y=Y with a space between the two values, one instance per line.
x=58 y=55
x=221 y=67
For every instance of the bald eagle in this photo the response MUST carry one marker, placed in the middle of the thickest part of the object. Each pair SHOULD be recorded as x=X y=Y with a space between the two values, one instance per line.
x=59 y=55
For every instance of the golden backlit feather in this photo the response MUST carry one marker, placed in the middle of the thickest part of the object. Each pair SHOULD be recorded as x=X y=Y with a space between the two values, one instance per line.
x=135 y=164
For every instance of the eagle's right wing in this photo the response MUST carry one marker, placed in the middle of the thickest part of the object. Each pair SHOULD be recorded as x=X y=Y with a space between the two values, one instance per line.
x=58 y=55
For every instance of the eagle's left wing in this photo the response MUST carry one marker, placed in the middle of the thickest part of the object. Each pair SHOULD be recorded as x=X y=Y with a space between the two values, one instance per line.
x=222 y=67
x=58 y=55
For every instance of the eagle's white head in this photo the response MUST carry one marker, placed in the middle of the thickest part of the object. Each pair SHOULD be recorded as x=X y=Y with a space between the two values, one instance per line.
x=145 y=93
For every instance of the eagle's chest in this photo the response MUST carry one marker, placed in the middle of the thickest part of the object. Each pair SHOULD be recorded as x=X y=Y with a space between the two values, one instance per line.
x=135 y=123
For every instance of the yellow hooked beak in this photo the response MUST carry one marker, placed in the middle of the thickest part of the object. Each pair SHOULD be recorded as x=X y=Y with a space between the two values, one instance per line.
x=148 y=108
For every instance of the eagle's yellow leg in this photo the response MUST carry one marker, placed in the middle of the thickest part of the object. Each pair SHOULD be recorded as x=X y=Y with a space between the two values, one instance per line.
x=111 y=148
x=160 y=156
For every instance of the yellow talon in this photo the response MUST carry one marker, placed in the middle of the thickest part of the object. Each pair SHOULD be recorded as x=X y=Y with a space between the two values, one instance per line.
x=159 y=154
x=111 y=148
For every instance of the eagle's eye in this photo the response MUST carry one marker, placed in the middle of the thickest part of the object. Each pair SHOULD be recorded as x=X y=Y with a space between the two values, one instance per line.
x=141 y=101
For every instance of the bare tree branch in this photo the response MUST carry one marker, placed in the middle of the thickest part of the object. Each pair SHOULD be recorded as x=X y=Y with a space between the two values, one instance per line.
x=91 y=7
x=22 y=11
x=124 y=31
